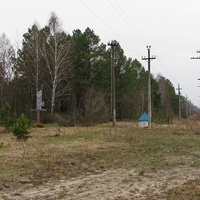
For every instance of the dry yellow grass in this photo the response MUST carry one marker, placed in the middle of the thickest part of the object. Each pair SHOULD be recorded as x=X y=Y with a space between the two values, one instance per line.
x=84 y=151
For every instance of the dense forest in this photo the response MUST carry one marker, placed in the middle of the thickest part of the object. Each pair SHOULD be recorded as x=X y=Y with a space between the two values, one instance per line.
x=73 y=72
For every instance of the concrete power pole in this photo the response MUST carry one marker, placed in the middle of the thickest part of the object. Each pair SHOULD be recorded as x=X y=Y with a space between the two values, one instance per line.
x=179 y=99
x=113 y=44
x=149 y=84
x=186 y=106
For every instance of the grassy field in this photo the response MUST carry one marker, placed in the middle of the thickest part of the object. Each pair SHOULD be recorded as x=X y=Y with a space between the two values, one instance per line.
x=73 y=152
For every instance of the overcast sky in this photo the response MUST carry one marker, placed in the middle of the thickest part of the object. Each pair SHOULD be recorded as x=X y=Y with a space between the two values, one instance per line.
x=171 y=27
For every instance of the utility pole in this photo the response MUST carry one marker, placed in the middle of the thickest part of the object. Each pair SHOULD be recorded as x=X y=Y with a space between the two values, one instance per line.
x=113 y=44
x=179 y=98
x=149 y=84
x=198 y=57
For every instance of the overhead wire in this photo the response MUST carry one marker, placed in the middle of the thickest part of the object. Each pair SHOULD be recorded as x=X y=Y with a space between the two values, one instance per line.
x=110 y=28
x=129 y=22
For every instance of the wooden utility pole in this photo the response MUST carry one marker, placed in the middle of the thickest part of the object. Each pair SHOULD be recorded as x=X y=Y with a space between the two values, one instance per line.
x=149 y=84
x=113 y=44
x=179 y=99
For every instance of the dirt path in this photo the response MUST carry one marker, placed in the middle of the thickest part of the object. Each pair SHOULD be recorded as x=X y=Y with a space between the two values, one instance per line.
x=112 y=184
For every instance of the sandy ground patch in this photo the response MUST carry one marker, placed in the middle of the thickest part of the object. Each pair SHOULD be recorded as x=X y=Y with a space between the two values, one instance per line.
x=111 y=184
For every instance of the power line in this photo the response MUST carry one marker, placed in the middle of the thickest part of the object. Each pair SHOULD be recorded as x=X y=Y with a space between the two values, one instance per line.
x=110 y=28
x=98 y=17
x=129 y=22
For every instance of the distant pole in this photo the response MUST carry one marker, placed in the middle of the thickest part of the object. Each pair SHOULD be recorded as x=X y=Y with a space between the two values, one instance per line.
x=149 y=84
x=179 y=99
x=186 y=106
x=113 y=44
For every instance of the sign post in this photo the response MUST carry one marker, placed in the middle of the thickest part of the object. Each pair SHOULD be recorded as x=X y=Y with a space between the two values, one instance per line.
x=39 y=105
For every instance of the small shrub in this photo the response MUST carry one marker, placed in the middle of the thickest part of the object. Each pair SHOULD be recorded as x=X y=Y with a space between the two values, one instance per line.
x=141 y=173
x=21 y=128
x=1 y=145
x=94 y=109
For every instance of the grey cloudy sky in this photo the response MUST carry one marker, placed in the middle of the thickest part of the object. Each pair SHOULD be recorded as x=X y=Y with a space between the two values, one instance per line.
x=171 y=27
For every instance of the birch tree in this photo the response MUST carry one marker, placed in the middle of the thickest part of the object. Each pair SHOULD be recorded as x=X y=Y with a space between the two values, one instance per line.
x=7 y=57
x=58 y=61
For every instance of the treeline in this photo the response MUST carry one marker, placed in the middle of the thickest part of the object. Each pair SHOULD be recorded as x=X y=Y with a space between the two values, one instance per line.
x=74 y=74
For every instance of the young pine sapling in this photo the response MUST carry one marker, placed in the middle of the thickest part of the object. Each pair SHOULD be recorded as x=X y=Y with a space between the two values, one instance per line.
x=21 y=130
